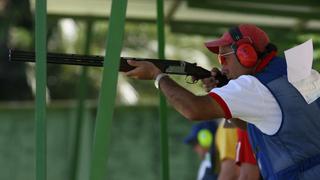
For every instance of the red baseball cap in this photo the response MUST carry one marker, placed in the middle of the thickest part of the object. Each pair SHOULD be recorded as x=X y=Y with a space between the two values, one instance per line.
x=258 y=37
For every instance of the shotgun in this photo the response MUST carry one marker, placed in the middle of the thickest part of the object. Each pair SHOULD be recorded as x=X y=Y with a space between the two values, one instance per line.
x=177 y=67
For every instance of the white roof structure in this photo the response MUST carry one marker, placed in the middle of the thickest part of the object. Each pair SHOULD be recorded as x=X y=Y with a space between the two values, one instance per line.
x=186 y=15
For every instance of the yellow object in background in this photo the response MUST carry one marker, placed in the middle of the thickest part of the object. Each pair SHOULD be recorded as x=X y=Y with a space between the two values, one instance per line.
x=226 y=141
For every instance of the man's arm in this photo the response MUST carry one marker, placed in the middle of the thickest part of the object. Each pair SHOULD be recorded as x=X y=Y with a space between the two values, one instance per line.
x=189 y=105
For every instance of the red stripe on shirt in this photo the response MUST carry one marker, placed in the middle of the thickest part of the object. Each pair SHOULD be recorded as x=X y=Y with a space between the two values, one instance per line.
x=223 y=105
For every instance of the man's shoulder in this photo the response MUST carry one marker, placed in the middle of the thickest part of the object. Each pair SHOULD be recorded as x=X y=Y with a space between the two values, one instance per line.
x=275 y=69
x=245 y=80
x=243 y=84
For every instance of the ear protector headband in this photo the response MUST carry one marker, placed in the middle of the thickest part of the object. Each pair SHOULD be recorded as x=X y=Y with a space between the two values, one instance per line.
x=205 y=138
x=243 y=48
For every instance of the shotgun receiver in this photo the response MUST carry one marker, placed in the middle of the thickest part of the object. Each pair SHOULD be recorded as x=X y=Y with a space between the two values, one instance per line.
x=166 y=66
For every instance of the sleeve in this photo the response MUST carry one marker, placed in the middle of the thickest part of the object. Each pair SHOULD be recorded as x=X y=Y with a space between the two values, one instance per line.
x=246 y=98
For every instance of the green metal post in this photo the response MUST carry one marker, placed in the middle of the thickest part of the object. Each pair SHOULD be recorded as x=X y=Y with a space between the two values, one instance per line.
x=163 y=104
x=41 y=75
x=82 y=92
x=108 y=91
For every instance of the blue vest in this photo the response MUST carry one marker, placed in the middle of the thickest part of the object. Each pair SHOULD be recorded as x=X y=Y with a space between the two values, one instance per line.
x=294 y=151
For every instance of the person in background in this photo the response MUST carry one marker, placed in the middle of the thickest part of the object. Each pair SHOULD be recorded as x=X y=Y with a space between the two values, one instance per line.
x=201 y=139
x=226 y=141
x=245 y=159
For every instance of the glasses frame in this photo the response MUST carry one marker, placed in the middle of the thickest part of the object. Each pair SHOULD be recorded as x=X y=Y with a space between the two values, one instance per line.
x=226 y=54
x=223 y=55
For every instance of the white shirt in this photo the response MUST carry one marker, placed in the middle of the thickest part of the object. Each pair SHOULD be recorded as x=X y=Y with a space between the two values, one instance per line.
x=206 y=163
x=248 y=99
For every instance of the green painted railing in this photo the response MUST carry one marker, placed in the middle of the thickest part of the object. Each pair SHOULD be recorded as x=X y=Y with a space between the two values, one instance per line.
x=81 y=107
x=162 y=101
x=103 y=125
x=41 y=75
x=108 y=90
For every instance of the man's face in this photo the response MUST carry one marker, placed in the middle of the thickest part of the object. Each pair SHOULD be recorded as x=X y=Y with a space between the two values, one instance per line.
x=231 y=67
x=200 y=150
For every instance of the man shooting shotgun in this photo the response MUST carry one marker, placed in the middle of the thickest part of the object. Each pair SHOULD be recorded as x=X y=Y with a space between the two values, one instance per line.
x=282 y=117
x=168 y=66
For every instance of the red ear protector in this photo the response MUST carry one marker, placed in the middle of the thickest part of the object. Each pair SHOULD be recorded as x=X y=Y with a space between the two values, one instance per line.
x=245 y=52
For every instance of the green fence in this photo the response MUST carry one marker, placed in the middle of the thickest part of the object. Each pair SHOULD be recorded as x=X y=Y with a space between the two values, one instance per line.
x=134 y=151
x=102 y=135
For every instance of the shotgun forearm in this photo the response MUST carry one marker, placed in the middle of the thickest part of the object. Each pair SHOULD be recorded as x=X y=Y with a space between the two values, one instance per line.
x=166 y=66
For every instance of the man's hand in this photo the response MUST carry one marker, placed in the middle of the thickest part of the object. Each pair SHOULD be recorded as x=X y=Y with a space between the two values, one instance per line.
x=211 y=82
x=144 y=70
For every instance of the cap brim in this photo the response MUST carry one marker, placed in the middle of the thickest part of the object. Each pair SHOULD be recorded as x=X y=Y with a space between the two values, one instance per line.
x=213 y=46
